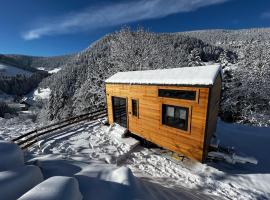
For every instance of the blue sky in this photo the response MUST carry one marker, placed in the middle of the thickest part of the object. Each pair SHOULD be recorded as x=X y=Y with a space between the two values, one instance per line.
x=56 y=27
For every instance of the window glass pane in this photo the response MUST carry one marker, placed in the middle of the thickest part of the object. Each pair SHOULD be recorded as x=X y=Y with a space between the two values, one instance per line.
x=175 y=116
x=170 y=111
x=134 y=107
x=182 y=114
x=177 y=94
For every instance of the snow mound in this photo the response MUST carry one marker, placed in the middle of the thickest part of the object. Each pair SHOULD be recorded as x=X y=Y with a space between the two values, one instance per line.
x=100 y=181
x=120 y=183
x=117 y=131
x=122 y=175
x=57 y=187
x=11 y=156
x=97 y=180
x=16 y=182
x=201 y=75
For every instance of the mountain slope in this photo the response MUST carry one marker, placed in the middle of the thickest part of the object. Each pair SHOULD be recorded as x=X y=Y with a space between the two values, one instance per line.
x=19 y=79
x=33 y=63
x=246 y=86
x=80 y=85
x=244 y=55
x=10 y=71
x=20 y=74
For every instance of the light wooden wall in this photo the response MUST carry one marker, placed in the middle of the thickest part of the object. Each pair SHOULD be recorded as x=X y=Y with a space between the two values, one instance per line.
x=215 y=93
x=149 y=123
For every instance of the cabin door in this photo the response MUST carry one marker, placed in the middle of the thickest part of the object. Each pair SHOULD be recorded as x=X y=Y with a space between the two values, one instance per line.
x=120 y=111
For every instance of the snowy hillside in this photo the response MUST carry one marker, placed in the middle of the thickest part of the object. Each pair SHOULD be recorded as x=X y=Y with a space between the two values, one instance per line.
x=243 y=55
x=80 y=85
x=11 y=71
x=32 y=63
x=20 y=74
x=246 y=85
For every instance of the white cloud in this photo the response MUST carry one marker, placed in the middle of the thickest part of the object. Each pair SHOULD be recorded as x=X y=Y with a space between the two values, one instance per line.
x=115 y=14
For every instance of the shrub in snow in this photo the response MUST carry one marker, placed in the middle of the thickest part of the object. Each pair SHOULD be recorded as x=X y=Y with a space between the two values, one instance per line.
x=11 y=156
x=54 y=188
x=16 y=182
x=4 y=109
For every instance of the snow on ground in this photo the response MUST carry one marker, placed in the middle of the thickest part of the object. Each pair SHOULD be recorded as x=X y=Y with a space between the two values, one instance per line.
x=78 y=148
x=11 y=156
x=250 y=141
x=14 y=127
x=16 y=182
x=57 y=187
x=51 y=71
x=7 y=70
x=100 y=181
x=41 y=93
x=91 y=140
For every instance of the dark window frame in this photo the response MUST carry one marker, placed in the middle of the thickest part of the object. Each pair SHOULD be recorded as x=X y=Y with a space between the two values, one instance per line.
x=165 y=121
x=188 y=95
x=135 y=114
x=119 y=112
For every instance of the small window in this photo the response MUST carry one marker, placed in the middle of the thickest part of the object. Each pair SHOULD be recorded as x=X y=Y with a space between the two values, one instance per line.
x=134 y=107
x=175 y=116
x=177 y=94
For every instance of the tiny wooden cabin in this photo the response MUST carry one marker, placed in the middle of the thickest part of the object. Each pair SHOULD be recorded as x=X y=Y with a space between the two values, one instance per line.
x=174 y=108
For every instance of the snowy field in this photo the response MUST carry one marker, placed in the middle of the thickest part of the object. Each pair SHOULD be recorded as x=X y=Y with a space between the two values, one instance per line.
x=7 y=70
x=93 y=150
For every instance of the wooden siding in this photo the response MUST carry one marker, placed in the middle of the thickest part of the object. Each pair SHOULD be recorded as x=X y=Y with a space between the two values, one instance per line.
x=149 y=122
x=214 y=100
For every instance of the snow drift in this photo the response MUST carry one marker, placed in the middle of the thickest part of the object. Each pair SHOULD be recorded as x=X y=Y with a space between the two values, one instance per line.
x=16 y=182
x=11 y=156
x=57 y=187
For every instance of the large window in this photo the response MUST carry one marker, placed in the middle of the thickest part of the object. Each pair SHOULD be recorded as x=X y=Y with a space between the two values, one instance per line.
x=134 y=107
x=177 y=94
x=175 y=116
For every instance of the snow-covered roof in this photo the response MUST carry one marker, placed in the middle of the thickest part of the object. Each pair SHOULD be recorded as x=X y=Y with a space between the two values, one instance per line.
x=201 y=75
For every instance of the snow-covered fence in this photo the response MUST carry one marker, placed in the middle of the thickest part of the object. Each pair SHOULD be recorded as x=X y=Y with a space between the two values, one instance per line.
x=28 y=139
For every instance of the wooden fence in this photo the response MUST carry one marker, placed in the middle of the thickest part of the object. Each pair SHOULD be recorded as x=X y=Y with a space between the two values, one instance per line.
x=30 y=138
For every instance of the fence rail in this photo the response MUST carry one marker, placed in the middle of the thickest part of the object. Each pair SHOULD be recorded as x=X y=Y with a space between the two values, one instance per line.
x=30 y=138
